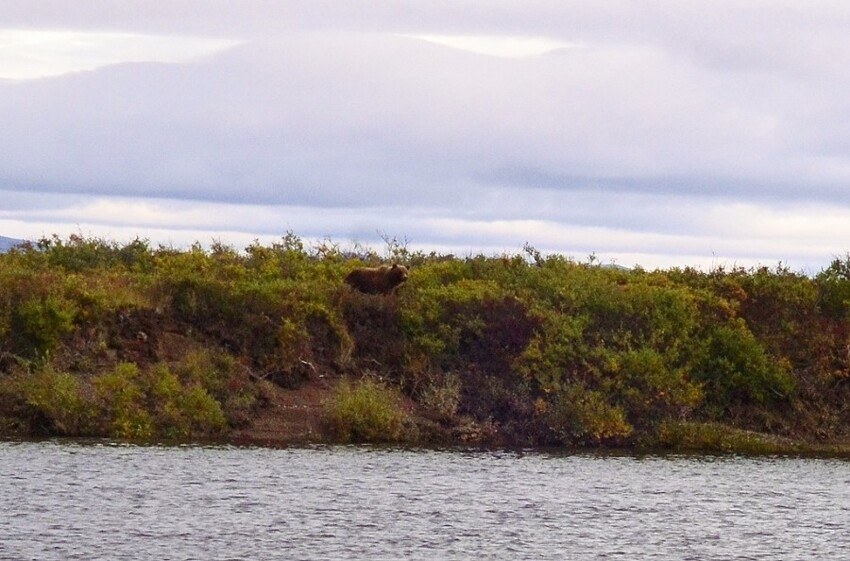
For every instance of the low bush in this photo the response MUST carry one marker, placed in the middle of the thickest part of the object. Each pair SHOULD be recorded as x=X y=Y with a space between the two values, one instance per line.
x=141 y=404
x=120 y=400
x=224 y=380
x=365 y=411
x=40 y=323
x=441 y=397
x=48 y=402
x=736 y=369
x=578 y=415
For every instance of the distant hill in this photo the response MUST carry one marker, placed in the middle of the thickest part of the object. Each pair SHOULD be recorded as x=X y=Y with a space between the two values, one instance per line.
x=8 y=243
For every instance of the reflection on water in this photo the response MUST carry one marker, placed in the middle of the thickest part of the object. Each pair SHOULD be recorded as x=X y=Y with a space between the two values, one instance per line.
x=70 y=501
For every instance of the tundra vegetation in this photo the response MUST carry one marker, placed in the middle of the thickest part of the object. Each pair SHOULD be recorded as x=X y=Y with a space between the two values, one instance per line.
x=137 y=342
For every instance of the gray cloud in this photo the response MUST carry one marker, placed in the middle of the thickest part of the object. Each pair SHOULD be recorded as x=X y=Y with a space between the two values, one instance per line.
x=322 y=114
x=666 y=109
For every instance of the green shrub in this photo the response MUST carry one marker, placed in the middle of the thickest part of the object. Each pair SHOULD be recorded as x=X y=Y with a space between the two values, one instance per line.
x=51 y=402
x=224 y=380
x=434 y=317
x=365 y=411
x=120 y=396
x=470 y=321
x=217 y=373
x=38 y=324
x=644 y=373
x=834 y=288
x=557 y=353
x=652 y=389
x=142 y=404
x=80 y=254
x=736 y=369
x=200 y=414
x=275 y=305
x=577 y=415
x=178 y=410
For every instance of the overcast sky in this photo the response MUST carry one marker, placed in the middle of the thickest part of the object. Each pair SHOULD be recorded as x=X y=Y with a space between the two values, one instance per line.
x=663 y=134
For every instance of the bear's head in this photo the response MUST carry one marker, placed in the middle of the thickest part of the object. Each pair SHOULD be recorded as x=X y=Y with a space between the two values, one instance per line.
x=397 y=274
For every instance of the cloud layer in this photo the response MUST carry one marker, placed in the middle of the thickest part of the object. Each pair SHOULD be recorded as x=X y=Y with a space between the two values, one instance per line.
x=677 y=134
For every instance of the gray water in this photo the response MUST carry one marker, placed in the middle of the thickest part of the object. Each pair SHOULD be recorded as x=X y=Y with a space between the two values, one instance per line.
x=97 y=501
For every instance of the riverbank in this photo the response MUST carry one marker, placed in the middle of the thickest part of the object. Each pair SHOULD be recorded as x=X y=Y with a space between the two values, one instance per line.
x=295 y=418
x=269 y=344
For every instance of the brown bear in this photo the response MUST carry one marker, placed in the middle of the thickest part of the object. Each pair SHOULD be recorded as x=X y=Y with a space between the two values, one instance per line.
x=377 y=280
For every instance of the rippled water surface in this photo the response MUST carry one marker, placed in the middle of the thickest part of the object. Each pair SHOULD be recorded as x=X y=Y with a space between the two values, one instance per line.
x=70 y=501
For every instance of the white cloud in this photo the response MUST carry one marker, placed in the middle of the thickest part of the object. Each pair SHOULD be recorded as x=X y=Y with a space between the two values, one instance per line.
x=498 y=45
x=27 y=54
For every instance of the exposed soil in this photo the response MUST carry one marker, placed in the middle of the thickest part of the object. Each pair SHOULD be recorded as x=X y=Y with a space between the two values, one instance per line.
x=291 y=416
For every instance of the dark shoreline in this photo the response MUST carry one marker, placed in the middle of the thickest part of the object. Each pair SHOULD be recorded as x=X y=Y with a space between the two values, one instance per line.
x=838 y=451
x=757 y=445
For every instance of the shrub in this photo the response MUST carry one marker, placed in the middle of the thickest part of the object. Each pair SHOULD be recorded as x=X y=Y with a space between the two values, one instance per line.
x=834 y=288
x=141 y=404
x=200 y=414
x=80 y=254
x=781 y=309
x=224 y=381
x=435 y=317
x=653 y=389
x=441 y=398
x=51 y=402
x=557 y=353
x=577 y=415
x=373 y=329
x=736 y=369
x=471 y=322
x=365 y=411
x=38 y=324
x=120 y=399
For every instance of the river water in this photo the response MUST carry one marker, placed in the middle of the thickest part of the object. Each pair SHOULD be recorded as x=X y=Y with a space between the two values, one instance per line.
x=64 y=500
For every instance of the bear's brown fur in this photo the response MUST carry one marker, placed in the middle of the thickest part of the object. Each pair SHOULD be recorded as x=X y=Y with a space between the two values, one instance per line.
x=377 y=280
